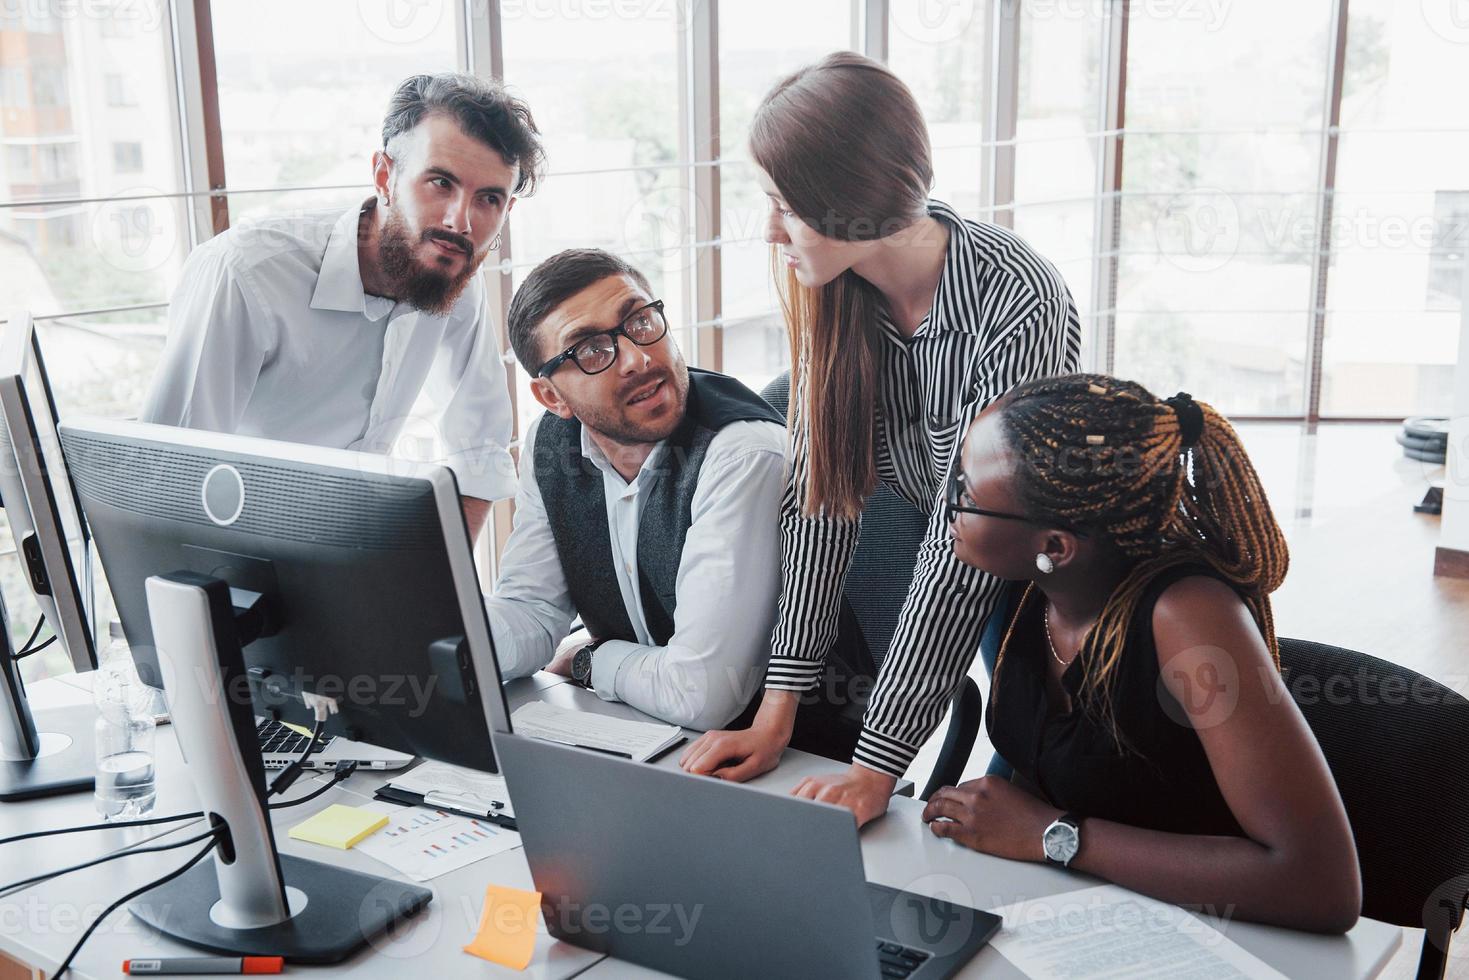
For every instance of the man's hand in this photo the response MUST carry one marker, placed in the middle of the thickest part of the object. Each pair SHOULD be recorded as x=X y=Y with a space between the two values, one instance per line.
x=863 y=791
x=476 y=512
x=745 y=754
x=992 y=815
x=561 y=664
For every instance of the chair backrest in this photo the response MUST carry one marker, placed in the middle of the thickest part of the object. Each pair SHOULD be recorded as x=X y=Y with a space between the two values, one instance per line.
x=882 y=567
x=1395 y=742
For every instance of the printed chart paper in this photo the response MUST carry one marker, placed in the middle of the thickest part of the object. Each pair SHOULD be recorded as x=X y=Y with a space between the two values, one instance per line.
x=424 y=844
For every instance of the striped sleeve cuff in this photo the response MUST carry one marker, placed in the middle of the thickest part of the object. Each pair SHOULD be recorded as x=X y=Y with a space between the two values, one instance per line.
x=888 y=755
x=792 y=674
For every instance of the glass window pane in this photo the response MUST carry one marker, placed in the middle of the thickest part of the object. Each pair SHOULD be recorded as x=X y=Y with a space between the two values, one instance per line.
x=296 y=111
x=1224 y=113
x=752 y=58
x=1056 y=152
x=1400 y=227
x=86 y=112
x=938 y=50
x=613 y=149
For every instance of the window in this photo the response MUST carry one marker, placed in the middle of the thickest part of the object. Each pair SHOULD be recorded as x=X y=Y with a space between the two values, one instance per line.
x=1224 y=120
x=18 y=165
x=127 y=158
x=1392 y=304
x=1056 y=143
x=306 y=117
x=119 y=93
x=1449 y=249
x=15 y=90
x=618 y=179
x=58 y=161
x=48 y=87
x=939 y=51
x=753 y=56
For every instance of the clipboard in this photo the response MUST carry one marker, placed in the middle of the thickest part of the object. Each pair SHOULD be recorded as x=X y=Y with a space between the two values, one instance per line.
x=403 y=797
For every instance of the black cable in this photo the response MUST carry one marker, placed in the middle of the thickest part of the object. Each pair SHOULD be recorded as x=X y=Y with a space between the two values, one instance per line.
x=66 y=963
x=344 y=769
x=32 y=638
x=125 y=852
x=146 y=822
x=289 y=774
x=29 y=650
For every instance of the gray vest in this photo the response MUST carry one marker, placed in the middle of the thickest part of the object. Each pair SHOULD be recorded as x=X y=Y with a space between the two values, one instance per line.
x=571 y=487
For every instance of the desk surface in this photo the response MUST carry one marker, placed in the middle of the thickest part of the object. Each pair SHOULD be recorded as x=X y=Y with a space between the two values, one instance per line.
x=39 y=925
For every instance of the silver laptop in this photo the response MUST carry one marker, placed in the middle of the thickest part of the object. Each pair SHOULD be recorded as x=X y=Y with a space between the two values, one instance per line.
x=704 y=878
x=280 y=745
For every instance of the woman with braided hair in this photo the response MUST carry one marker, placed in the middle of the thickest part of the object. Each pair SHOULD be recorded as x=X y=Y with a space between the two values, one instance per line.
x=1138 y=692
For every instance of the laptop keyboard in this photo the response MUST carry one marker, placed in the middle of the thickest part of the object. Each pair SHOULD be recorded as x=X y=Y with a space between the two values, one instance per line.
x=898 y=961
x=278 y=739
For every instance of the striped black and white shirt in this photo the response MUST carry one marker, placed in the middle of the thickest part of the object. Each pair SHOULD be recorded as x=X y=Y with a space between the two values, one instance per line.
x=1001 y=316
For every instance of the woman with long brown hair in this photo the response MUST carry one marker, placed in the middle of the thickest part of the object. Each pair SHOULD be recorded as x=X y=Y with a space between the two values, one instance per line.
x=1138 y=692
x=905 y=320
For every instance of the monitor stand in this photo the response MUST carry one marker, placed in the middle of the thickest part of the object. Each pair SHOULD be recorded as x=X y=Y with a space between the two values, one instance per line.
x=250 y=900
x=44 y=753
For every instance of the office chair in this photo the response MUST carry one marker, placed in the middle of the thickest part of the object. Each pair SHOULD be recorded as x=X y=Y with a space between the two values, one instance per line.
x=877 y=584
x=1394 y=740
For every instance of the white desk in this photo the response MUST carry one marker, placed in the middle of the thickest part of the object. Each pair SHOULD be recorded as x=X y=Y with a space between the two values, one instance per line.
x=39 y=925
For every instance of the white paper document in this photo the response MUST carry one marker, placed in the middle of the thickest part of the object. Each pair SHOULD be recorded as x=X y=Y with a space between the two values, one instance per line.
x=1109 y=932
x=466 y=788
x=423 y=843
x=638 y=740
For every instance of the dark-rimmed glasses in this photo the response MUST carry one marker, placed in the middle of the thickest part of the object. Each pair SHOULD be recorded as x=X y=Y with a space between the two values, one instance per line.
x=955 y=493
x=644 y=326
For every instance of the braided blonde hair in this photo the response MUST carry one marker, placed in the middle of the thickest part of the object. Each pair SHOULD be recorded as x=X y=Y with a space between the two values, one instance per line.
x=1108 y=456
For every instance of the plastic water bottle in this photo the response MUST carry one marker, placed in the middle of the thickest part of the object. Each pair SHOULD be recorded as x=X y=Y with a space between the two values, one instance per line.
x=125 y=787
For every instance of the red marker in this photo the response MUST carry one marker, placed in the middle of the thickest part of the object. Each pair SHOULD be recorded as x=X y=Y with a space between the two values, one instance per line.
x=204 y=964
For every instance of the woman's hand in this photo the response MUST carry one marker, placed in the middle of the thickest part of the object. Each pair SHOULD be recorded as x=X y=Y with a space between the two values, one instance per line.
x=992 y=815
x=745 y=754
x=863 y=791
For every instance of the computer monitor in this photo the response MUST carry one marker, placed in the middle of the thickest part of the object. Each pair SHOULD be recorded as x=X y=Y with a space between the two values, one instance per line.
x=252 y=576
x=46 y=752
x=40 y=503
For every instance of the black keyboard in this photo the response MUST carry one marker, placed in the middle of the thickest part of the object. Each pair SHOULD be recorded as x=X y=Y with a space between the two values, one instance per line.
x=278 y=739
x=898 y=961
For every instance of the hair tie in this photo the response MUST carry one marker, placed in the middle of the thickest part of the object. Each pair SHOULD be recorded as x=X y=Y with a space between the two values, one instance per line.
x=1190 y=418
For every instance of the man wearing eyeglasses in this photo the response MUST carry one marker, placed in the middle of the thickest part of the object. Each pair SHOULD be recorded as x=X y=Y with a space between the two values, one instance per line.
x=647 y=505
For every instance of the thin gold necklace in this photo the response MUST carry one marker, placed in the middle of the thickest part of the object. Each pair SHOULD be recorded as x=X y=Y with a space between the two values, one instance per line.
x=1046 y=621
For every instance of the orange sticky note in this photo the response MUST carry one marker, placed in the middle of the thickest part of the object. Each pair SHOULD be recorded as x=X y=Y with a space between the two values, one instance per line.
x=507 y=927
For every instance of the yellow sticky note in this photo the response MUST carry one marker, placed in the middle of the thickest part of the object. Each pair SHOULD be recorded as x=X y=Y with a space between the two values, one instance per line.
x=298 y=729
x=339 y=826
x=507 y=927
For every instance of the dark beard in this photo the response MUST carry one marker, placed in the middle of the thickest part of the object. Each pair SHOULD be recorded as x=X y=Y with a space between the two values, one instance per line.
x=420 y=286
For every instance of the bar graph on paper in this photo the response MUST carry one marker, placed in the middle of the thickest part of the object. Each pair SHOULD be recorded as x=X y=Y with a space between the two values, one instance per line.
x=424 y=844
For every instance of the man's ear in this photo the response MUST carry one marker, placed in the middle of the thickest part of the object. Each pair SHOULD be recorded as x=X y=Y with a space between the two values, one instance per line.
x=382 y=176
x=549 y=397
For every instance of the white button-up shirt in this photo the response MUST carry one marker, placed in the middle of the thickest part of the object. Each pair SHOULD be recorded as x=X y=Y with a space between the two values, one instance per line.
x=272 y=335
x=728 y=579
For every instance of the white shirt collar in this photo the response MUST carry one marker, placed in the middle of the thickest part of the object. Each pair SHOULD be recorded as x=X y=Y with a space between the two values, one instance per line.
x=593 y=452
x=339 y=284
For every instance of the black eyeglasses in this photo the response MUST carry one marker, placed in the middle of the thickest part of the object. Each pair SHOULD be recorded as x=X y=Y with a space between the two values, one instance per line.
x=955 y=493
x=644 y=326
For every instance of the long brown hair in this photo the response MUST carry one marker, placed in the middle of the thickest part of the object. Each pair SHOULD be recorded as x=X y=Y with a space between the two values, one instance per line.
x=1109 y=457
x=846 y=145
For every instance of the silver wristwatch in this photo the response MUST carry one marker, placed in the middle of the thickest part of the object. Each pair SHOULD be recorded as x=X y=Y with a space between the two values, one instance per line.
x=1062 y=839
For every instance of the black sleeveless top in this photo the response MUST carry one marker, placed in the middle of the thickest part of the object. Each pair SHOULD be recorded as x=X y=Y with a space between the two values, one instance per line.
x=1159 y=779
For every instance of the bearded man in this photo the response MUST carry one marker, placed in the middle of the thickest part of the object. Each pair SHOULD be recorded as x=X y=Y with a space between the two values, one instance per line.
x=325 y=328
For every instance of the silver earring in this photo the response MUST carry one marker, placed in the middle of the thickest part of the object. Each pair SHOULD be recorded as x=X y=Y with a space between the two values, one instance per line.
x=1044 y=563
x=495 y=243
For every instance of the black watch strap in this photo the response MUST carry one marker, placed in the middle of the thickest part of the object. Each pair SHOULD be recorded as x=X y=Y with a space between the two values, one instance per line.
x=587 y=651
